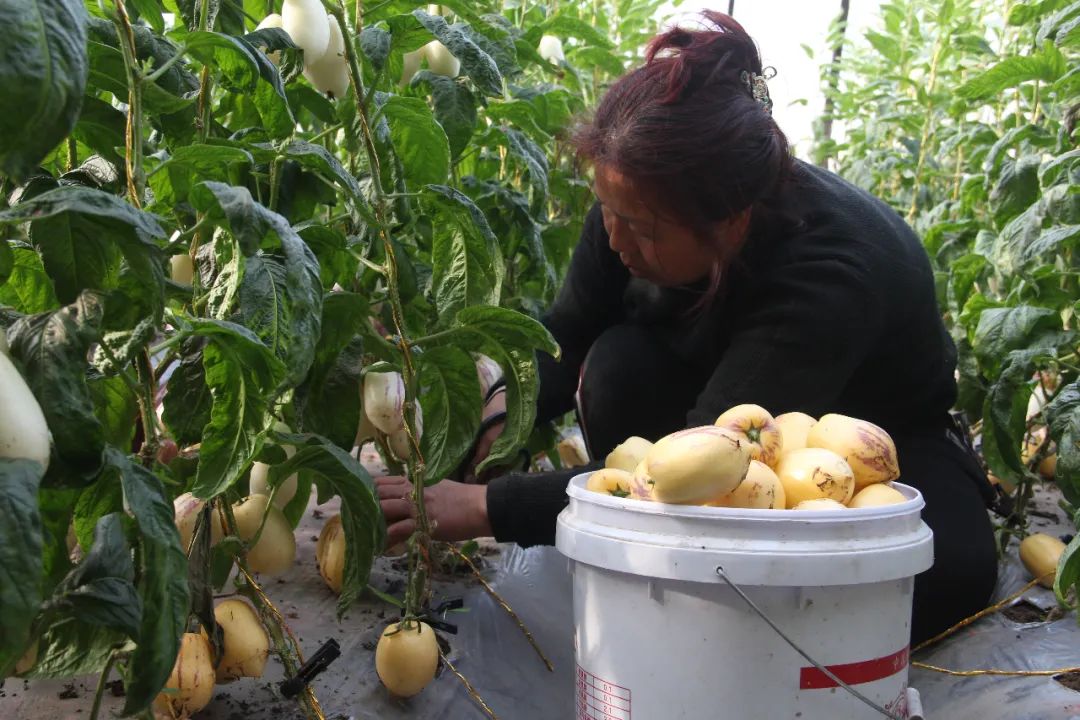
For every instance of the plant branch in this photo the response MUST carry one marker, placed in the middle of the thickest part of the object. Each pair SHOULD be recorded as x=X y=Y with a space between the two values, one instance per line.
x=136 y=177
x=95 y=710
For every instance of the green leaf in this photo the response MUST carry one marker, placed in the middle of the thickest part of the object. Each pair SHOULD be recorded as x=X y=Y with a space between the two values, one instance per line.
x=101 y=127
x=95 y=502
x=1058 y=240
x=163 y=586
x=511 y=339
x=150 y=11
x=78 y=230
x=451 y=401
x=52 y=350
x=1046 y=65
x=1068 y=571
x=418 y=140
x=336 y=263
x=43 y=70
x=101 y=590
x=20 y=556
x=565 y=25
x=1016 y=189
x=477 y=64
x=1004 y=414
x=236 y=59
x=375 y=45
x=1063 y=420
x=319 y=160
x=532 y=158
x=242 y=375
x=28 y=289
x=189 y=165
x=280 y=294
x=361 y=516
x=1002 y=330
x=188 y=400
x=70 y=647
x=455 y=108
x=466 y=265
x=329 y=398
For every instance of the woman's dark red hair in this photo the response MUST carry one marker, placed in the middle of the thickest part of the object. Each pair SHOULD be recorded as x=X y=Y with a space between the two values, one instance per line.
x=687 y=131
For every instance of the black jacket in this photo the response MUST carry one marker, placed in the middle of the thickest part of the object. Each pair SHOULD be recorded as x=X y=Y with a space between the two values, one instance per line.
x=829 y=307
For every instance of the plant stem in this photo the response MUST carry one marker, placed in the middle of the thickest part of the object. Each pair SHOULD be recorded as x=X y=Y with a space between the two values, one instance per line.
x=100 y=691
x=144 y=369
x=136 y=178
x=415 y=597
x=164 y=67
x=275 y=181
x=72 y=153
x=206 y=81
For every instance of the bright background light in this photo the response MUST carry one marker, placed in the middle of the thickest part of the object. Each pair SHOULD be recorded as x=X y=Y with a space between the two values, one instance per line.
x=781 y=28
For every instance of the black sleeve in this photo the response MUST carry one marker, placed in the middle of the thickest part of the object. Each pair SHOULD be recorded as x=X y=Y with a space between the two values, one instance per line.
x=523 y=507
x=589 y=301
x=801 y=332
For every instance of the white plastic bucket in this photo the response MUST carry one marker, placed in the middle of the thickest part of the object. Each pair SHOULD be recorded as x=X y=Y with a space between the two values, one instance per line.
x=659 y=635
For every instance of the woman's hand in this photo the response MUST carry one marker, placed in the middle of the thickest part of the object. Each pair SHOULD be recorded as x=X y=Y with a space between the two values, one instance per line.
x=495 y=405
x=457 y=511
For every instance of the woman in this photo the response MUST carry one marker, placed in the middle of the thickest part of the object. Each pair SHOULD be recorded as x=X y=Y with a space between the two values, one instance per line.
x=715 y=270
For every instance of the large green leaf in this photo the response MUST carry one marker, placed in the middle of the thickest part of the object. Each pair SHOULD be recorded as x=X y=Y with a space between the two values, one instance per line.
x=329 y=399
x=52 y=350
x=163 y=586
x=43 y=69
x=28 y=289
x=532 y=157
x=100 y=590
x=477 y=64
x=101 y=127
x=1046 y=64
x=1002 y=330
x=451 y=401
x=339 y=473
x=79 y=230
x=319 y=160
x=1068 y=571
x=1016 y=188
x=1004 y=413
x=1063 y=419
x=189 y=165
x=97 y=500
x=242 y=375
x=455 y=108
x=188 y=400
x=418 y=139
x=511 y=339
x=20 y=556
x=467 y=268
x=280 y=294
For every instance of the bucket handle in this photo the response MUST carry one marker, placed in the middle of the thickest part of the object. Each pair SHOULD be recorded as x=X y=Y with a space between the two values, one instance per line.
x=828 y=673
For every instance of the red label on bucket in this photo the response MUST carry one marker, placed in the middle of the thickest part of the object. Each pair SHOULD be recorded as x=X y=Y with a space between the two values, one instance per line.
x=599 y=699
x=810 y=678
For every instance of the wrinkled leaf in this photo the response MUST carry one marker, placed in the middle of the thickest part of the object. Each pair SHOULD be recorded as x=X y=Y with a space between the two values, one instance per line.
x=451 y=402
x=466 y=263
x=20 y=556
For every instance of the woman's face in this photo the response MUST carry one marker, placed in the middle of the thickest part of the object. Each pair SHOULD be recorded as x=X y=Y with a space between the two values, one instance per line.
x=651 y=247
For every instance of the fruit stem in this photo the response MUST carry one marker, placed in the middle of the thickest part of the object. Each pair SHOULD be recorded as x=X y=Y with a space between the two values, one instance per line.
x=418 y=549
x=102 y=680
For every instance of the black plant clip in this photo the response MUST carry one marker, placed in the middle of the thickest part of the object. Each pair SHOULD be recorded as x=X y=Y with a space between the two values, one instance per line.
x=431 y=617
x=315 y=664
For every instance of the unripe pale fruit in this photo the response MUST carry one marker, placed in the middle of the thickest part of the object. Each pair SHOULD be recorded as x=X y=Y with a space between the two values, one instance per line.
x=488 y=371
x=330 y=553
x=246 y=646
x=191 y=683
x=384 y=400
x=867 y=448
x=814 y=473
x=794 y=427
x=628 y=454
x=308 y=25
x=273 y=20
x=551 y=49
x=1040 y=553
x=186 y=509
x=406 y=658
x=275 y=551
x=610 y=481
x=258 y=484
x=28 y=660
x=572 y=452
x=697 y=465
x=876 y=495
x=365 y=430
x=182 y=269
x=761 y=489
x=754 y=425
x=440 y=60
x=3 y=341
x=330 y=73
x=399 y=439
x=820 y=504
x=411 y=64
x=24 y=434
x=641 y=484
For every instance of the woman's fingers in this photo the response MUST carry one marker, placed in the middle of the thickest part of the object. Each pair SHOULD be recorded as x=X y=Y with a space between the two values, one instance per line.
x=399 y=532
x=392 y=486
x=396 y=509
